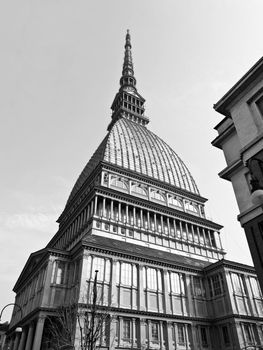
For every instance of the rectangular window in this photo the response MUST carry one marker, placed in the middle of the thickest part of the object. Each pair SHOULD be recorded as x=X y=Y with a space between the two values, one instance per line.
x=216 y=284
x=248 y=334
x=98 y=264
x=177 y=283
x=126 y=274
x=58 y=272
x=203 y=336
x=238 y=283
x=151 y=275
x=255 y=287
x=197 y=284
x=181 y=333
x=226 y=337
x=126 y=329
x=155 y=335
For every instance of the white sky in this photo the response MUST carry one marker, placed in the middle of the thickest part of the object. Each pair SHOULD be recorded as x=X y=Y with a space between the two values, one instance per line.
x=60 y=65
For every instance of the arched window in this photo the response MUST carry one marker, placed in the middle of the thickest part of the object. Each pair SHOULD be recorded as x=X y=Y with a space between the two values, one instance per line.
x=191 y=207
x=157 y=196
x=140 y=190
x=175 y=202
x=119 y=183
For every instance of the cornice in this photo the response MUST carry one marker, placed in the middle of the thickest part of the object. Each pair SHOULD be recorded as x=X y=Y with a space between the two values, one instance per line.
x=218 y=141
x=231 y=169
x=222 y=105
x=223 y=263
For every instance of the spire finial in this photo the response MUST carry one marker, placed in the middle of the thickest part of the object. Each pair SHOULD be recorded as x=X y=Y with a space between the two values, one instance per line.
x=128 y=103
x=127 y=78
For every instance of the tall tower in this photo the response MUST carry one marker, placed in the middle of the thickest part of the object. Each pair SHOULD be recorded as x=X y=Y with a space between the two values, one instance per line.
x=135 y=214
x=136 y=189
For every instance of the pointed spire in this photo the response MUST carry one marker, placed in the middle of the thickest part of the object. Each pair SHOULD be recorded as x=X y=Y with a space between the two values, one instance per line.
x=127 y=78
x=128 y=103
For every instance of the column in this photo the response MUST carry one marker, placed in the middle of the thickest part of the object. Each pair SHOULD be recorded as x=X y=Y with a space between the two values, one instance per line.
x=127 y=215
x=120 y=331
x=187 y=232
x=143 y=341
x=17 y=338
x=38 y=333
x=95 y=205
x=162 y=224
x=175 y=228
x=84 y=283
x=198 y=234
x=91 y=208
x=168 y=226
x=148 y=220
x=46 y=292
x=161 y=335
x=114 y=289
x=141 y=291
x=134 y=216
x=167 y=306
x=134 y=340
x=187 y=335
x=149 y=326
x=88 y=212
x=22 y=340
x=103 y=207
x=119 y=211
x=155 y=222
x=203 y=230
x=181 y=228
x=112 y=332
x=111 y=210
x=29 y=338
x=209 y=237
x=220 y=240
x=11 y=343
x=189 y=295
x=141 y=215
x=169 y=343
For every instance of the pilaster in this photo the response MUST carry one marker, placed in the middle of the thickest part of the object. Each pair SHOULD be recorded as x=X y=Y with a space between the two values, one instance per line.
x=38 y=333
x=29 y=338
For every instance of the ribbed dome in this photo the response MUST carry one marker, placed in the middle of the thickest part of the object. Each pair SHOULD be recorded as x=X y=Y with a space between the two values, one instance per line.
x=132 y=146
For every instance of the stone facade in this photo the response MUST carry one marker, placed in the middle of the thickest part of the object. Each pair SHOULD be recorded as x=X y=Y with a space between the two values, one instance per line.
x=240 y=136
x=136 y=216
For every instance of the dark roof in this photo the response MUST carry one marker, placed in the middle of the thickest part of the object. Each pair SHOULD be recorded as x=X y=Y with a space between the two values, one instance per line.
x=138 y=251
x=133 y=147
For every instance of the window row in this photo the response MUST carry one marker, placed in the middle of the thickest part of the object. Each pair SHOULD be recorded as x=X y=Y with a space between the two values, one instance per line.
x=127 y=274
x=160 y=196
x=130 y=330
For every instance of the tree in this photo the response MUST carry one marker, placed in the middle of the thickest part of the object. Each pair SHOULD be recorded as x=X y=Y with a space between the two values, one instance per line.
x=77 y=327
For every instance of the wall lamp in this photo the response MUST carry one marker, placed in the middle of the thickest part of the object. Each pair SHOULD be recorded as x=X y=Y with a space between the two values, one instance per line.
x=20 y=309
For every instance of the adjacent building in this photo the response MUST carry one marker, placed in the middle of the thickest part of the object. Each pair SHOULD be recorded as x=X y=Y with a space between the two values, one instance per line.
x=240 y=136
x=136 y=215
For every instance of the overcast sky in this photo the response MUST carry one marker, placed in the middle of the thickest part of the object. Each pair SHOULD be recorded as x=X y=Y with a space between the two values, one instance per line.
x=60 y=65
